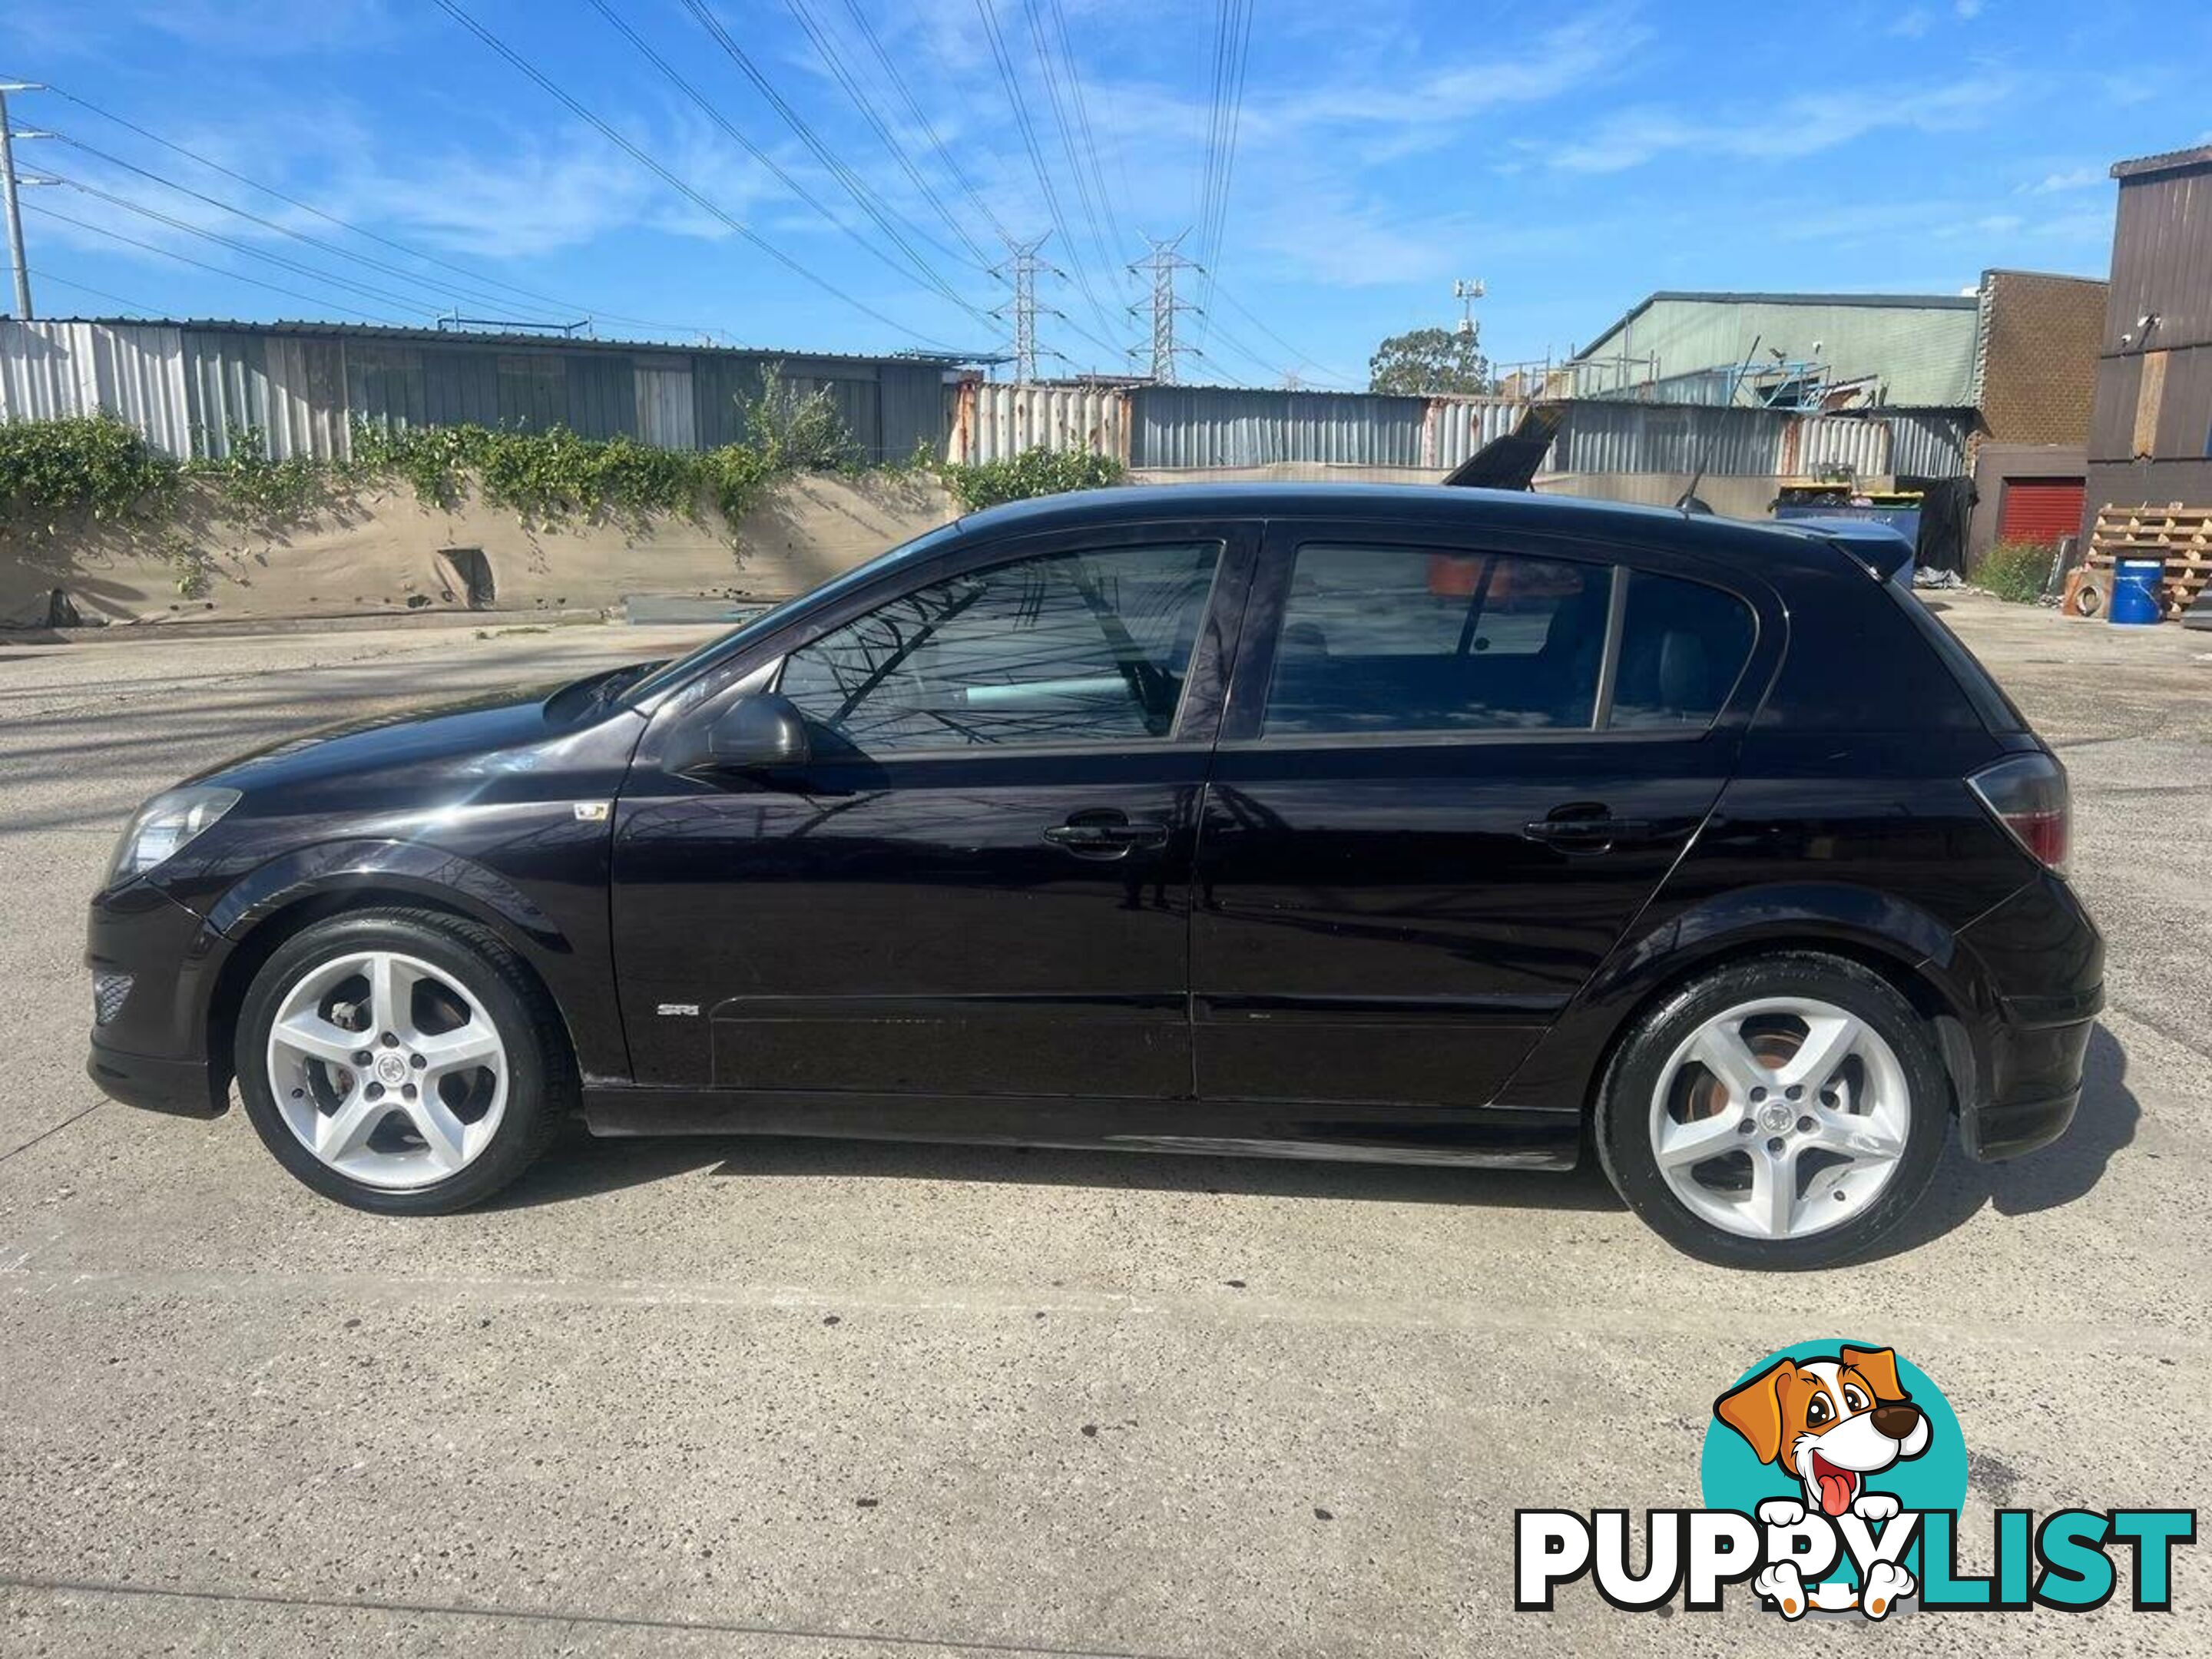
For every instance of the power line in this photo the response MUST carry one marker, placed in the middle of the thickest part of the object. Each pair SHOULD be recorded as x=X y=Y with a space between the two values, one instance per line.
x=827 y=50
x=887 y=218
x=271 y=224
x=559 y=306
x=1259 y=322
x=1085 y=129
x=97 y=293
x=1067 y=136
x=667 y=177
x=1012 y=82
x=890 y=69
x=405 y=303
x=714 y=114
x=1232 y=56
x=170 y=253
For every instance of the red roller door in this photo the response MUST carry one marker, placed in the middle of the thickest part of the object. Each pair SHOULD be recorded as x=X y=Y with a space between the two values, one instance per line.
x=2040 y=509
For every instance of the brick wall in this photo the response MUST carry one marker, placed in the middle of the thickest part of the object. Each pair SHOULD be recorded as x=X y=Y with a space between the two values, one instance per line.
x=2041 y=336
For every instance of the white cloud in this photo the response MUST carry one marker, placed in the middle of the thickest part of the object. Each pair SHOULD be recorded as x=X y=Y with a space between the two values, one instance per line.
x=2081 y=177
x=1784 y=131
x=1968 y=9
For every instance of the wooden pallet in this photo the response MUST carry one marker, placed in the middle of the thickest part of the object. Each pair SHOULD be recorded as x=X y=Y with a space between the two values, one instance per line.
x=2182 y=536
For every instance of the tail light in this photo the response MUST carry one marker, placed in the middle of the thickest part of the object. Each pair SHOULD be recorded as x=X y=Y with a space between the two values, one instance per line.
x=2027 y=794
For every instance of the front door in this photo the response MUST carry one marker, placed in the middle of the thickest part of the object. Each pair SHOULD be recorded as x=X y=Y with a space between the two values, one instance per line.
x=1448 y=778
x=979 y=884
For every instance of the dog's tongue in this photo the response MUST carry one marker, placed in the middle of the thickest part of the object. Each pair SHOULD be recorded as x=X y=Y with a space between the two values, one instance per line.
x=1835 y=1492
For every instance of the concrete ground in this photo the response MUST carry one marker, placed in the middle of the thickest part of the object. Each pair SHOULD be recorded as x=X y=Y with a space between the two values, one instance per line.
x=803 y=1399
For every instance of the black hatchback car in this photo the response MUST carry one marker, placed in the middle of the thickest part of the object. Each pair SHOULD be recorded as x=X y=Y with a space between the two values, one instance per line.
x=1428 y=825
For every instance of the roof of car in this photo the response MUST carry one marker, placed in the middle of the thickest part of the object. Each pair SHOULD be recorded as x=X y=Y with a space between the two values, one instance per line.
x=1752 y=541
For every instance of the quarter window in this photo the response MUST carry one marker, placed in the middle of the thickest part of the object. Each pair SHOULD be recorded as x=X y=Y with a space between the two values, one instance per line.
x=1682 y=645
x=1406 y=640
x=1067 y=647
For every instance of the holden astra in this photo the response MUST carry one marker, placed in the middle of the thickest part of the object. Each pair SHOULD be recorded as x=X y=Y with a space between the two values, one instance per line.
x=1431 y=825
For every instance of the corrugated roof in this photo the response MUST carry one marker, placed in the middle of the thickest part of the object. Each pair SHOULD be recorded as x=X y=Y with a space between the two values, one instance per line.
x=2171 y=161
x=1706 y=296
x=476 y=336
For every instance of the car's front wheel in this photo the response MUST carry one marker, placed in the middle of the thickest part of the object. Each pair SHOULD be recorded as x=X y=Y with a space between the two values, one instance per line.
x=402 y=1061
x=1784 y=1112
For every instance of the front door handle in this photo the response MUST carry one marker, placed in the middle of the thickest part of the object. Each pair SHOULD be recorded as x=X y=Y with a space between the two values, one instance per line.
x=1105 y=834
x=1590 y=835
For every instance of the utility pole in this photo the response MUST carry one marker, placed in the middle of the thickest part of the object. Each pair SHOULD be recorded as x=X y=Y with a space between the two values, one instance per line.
x=1020 y=270
x=14 y=212
x=1165 y=260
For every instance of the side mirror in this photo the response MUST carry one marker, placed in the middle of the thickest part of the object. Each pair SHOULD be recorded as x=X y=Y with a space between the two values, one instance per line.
x=758 y=732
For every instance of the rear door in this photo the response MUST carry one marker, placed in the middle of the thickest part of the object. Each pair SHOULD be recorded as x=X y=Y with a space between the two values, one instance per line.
x=1449 y=775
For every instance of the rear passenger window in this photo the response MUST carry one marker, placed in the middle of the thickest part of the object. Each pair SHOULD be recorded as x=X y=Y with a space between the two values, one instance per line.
x=1682 y=645
x=1390 y=639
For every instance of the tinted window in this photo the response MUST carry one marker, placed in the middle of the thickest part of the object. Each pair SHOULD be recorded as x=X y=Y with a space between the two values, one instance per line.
x=1071 y=647
x=1682 y=645
x=1399 y=640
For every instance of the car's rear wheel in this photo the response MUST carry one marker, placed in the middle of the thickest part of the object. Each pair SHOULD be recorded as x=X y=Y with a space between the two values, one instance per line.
x=402 y=1061
x=1783 y=1112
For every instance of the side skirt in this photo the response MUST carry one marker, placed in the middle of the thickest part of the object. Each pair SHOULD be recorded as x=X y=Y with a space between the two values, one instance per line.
x=1487 y=1137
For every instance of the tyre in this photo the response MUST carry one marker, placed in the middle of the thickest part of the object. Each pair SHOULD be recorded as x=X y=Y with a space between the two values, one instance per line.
x=402 y=1061
x=1784 y=1112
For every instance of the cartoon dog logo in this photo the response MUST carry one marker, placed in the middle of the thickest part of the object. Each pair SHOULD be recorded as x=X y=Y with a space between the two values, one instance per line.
x=1831 y=1423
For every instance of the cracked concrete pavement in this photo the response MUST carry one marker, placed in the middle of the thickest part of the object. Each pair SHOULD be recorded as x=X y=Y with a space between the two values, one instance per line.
x=803 y=1399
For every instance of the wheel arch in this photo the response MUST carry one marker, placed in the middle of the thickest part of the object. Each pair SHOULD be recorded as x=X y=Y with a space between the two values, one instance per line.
x=282 y=900
x=1915 y=952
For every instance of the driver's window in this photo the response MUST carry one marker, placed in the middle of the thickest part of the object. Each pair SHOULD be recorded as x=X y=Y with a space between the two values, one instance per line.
x=1067 y=647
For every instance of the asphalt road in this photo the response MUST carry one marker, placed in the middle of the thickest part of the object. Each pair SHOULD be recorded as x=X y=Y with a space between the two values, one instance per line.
x=803 y=1399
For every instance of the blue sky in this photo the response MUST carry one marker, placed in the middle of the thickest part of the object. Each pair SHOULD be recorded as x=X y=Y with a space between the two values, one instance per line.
x=1573 y=157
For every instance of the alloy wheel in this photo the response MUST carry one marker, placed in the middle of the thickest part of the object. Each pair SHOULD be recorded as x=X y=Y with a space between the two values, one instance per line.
x=387 y=1069
x=1780 y=1118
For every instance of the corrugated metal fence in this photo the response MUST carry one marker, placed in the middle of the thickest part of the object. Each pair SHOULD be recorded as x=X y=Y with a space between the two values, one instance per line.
x=187 y=387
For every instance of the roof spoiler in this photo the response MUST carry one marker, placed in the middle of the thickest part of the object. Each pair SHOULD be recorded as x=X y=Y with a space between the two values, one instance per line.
x=1513 y=461
x=1882 y=549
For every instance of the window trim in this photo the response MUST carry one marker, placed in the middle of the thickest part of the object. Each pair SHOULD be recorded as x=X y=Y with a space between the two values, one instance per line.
x=1243 y=728
x=703 y=696
x=1170 y=738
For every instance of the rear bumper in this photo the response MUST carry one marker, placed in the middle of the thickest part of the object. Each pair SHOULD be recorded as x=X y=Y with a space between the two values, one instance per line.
x=2041 y=985
x=2034 y=1081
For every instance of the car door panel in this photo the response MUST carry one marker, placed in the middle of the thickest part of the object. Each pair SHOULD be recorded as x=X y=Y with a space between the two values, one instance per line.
x=1397 y=916
x=907 y=926
x=1002 y=919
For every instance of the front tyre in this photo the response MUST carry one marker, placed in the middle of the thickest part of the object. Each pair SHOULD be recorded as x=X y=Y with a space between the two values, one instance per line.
x=1784 y=1112
x=402 y=1061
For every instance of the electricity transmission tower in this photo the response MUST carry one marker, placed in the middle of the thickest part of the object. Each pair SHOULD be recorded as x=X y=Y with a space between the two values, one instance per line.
x=1020 y=269
x=1165 y=260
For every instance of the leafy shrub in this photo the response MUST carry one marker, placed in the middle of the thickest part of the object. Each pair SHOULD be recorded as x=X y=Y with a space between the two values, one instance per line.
x=1034 y=472
x=2018 y=571
x=796 y=431
x=83 y=463
x=258 y=489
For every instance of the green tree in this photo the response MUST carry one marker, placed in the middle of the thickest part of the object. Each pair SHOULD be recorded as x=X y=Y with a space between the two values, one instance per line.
x=1427 y=361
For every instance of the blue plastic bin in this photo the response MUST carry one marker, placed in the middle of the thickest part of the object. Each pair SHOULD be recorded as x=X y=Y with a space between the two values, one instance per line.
x=2137 y=599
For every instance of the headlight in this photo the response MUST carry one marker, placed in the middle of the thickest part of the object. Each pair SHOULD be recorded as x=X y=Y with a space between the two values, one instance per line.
x=162 y=827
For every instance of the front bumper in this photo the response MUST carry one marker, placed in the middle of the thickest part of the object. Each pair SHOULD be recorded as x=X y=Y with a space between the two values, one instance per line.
x=184 y=1087
x=155 y=965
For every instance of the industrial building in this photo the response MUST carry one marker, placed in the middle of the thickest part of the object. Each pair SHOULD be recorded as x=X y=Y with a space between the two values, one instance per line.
x=2150 y=438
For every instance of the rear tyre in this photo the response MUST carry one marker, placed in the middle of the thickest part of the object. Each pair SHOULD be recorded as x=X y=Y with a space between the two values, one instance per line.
x=402 y=1061
x=1784 y=1112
